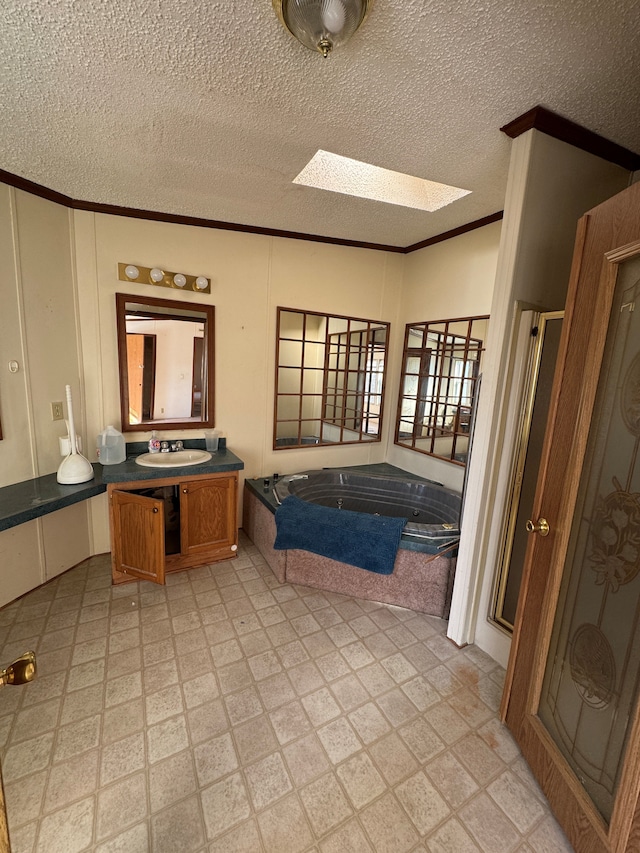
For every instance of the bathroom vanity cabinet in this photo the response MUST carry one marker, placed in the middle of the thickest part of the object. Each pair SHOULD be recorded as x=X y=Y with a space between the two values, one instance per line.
x=171 y=524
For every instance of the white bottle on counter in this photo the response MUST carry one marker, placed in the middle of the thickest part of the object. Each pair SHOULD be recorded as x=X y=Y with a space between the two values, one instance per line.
x=111 y=447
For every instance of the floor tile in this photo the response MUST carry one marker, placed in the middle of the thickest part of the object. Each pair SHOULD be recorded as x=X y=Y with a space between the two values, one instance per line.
x=284 y=827
x=325 y=803
x=388 y=827
x=224 y=804
x=305 y=759
x=179 y=827
x=68 y=829
x=488 y=826
x=172 y=779
x=339 y=740
x=360 y=779
x=228 y=713
x=267 y=780
x=215 y=758
x=422 y=803
x=348 y=839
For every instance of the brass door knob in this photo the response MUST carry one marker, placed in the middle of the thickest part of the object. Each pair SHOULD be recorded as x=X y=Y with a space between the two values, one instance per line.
x=20 y=671
x=540 y=526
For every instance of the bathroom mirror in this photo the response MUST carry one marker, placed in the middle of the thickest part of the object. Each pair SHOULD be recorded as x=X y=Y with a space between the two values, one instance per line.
x=166 y=360
x=330 y=373
x=439 y=386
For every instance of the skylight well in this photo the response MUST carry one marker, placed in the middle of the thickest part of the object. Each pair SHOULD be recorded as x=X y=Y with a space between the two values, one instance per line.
x=327 y=171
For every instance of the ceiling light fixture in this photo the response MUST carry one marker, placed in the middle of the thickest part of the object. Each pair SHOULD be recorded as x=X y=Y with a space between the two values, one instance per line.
x=321 y=25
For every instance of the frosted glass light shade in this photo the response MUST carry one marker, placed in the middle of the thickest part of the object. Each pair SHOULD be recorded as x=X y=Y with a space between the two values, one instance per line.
x=156 y=274
x=179 y=280
x=201 y=282
x=131 y=271
x=321 y=25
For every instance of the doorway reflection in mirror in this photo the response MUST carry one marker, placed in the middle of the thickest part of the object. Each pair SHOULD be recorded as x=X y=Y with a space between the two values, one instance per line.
x=166 y=363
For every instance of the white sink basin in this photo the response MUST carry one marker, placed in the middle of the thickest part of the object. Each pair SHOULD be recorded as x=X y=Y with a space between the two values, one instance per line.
x=176 y=459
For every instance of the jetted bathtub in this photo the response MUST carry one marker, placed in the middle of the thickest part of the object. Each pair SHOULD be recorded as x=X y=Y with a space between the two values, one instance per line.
x=422 y=578
x=433 y=511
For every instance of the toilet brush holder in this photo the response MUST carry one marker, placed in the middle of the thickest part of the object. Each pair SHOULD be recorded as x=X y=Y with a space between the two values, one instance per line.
x=74 y=468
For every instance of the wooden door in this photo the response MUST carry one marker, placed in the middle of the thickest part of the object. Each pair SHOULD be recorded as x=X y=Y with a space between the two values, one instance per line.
x=135 y=374
x=197 y=409
x=138 y=536
x=572 y=682
x=208 y=515
x=5 y=846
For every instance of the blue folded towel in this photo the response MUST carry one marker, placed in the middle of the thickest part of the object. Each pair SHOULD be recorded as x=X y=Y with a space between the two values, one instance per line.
x=367 y=541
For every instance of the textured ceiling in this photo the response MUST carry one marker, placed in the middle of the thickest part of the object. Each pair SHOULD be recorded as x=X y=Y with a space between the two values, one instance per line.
x=209 y=108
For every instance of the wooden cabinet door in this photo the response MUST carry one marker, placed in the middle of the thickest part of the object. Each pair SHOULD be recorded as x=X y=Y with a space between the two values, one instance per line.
x=208 y=515
x=138 y=536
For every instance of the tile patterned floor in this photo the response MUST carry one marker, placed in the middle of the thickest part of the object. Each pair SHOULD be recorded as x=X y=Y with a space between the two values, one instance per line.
x=226 y=712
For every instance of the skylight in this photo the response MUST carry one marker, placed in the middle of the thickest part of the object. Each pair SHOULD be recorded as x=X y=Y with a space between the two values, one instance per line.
x=339 y=174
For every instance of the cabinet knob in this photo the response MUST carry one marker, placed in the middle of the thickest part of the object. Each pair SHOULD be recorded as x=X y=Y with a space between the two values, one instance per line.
x=155 y=509
x=234 y=547
x=185 y=491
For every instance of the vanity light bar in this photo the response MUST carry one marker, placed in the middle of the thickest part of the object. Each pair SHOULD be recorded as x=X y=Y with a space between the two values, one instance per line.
x=163 y=278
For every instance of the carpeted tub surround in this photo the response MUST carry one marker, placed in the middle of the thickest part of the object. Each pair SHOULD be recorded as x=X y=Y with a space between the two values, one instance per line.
x=421 y=582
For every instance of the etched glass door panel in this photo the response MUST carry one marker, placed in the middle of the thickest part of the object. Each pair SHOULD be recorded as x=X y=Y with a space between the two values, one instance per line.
x=591 y=677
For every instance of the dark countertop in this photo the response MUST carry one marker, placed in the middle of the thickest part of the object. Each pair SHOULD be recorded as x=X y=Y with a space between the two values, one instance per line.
x=128 y=471
x=31 y=499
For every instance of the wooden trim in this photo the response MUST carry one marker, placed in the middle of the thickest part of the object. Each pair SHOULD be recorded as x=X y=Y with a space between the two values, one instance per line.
x=35 y=189
x=455 y=232
x=546 y=121
x=208 y=408
x=177 y=219
x=195 y=221
x=5 y=847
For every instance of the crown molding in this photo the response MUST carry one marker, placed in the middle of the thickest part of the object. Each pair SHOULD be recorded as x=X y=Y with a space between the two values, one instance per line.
x=456 y=232
x=157 y=216
x=546 y=121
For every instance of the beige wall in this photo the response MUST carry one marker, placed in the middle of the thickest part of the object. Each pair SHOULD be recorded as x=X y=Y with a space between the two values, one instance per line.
x=38 y=330
x=251 y=275
x=59 y=323
x=551 y=184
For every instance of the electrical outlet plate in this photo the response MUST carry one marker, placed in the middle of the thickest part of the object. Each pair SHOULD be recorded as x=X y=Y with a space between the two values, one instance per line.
x=57 y=413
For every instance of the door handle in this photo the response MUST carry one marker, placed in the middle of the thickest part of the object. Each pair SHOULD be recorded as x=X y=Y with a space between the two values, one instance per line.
x=540 y=526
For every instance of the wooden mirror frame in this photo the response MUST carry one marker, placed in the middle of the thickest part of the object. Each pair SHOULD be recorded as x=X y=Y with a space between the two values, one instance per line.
x=441 y=422
x=179 y=311
x=336 y=368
